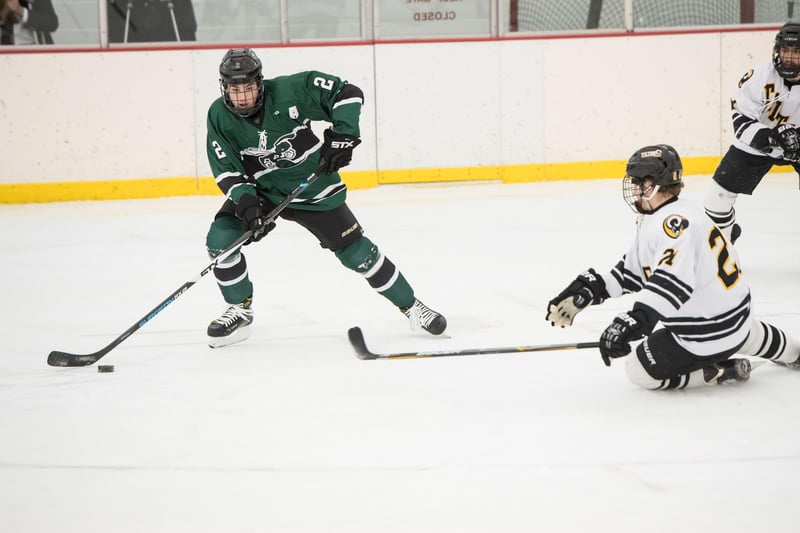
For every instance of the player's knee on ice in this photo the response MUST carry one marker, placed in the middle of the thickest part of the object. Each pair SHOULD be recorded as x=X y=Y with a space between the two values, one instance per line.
x=638 y=375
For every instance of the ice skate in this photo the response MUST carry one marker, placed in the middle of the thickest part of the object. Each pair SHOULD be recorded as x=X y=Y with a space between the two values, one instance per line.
x=728 y=371
x=423 y=317
x=233 y=326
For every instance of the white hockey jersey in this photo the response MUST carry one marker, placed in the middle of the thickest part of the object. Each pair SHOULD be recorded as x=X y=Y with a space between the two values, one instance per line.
x=762 y=99
x=681 y=265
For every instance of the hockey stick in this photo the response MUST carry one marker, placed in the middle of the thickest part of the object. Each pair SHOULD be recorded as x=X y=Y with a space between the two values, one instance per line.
x=362 y=352
x=57 y=358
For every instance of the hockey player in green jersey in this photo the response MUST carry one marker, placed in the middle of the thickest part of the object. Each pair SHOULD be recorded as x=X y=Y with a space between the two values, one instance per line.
x=261 y=147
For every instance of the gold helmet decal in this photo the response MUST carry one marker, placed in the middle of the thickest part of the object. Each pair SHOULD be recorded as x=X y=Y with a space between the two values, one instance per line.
x=674 y=226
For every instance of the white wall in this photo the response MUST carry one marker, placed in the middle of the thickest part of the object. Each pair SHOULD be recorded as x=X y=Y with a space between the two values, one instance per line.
x=92 y=115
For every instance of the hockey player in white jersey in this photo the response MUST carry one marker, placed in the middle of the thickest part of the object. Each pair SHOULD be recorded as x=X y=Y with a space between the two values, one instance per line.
x=766 y=110
x=686 y=276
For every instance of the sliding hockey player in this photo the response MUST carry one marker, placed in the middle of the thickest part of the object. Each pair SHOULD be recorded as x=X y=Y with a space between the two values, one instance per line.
x=765 y=112
x=261 y=147
x=686 y=276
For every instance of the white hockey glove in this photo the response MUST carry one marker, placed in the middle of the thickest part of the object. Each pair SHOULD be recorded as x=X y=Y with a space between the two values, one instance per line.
x=787 y=138
x=588 y=288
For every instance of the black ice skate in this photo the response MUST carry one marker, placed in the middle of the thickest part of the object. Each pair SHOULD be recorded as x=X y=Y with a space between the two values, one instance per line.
x=423 y=317
x=728 y=371
x=233 y=326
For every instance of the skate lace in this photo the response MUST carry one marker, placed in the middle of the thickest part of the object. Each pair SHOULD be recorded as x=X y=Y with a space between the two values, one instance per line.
x=234 y=313
x=420 y=315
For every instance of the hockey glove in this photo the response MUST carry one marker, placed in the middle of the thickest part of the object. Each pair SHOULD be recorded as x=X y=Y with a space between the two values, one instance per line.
x=787 y=138
x=250 y=212
x=588 y=288
x=336 y=151
x=627 y=327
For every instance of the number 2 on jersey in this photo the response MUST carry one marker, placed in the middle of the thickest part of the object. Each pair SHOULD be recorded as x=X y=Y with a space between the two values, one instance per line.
x=322 y=82
x=727 y=271
x=218 y=150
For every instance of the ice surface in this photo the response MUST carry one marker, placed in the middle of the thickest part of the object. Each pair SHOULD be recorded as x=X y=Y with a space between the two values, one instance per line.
x=290 y=432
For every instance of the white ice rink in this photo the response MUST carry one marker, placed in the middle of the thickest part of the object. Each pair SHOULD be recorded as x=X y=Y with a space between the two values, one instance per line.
x=290 y=432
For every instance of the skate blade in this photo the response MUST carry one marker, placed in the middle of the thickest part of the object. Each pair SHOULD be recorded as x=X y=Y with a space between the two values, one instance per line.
x=239 y=335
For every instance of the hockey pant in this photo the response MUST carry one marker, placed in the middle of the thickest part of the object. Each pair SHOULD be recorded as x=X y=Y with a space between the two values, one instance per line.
x=660 y=363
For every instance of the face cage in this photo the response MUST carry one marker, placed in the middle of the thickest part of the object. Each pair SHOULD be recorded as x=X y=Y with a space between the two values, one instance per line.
x=242 y=111
x=790 y=61
x=629 y=190
x=634 y=195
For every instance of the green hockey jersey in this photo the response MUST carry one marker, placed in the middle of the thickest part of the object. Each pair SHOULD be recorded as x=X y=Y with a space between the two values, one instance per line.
x=271 y=159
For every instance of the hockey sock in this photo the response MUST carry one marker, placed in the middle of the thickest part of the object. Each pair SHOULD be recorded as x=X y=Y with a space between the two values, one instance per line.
x=382 y=275
x=233 y=280
x=718 y=204
x=770 y=342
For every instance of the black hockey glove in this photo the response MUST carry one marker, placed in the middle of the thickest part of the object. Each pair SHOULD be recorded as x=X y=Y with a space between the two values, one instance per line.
x=787 y=138
x=336 y=151
x=588 y=288
x=250 y=212
x=627 y=327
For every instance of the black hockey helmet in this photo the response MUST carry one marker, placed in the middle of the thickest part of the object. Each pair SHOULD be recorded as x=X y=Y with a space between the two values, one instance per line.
x=786 y=52
x=659 y=162
x=240 y=66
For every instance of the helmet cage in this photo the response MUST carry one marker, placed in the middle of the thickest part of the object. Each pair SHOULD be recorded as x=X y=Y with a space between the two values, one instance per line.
x=633 y=193
x=241 y=66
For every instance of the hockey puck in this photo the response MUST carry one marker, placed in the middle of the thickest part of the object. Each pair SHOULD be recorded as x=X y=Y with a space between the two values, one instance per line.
x=105 y=368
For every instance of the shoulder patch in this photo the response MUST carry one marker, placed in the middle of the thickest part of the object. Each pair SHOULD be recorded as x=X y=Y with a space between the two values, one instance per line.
x=747 y=76
x=674 y=225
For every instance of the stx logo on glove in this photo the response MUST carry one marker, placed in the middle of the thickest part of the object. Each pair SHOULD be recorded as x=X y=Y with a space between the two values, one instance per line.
x=343 y=144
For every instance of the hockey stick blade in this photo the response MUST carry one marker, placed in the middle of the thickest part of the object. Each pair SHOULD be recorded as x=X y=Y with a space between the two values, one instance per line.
x=57 y=358
x=356 y=337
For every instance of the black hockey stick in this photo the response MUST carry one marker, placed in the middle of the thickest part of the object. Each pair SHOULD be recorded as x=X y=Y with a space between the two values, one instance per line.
x=57 y=358
x=362 y=352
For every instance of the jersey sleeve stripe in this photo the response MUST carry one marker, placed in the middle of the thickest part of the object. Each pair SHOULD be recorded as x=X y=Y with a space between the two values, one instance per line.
x=670 y=285
x=346 y=101
x=664 y=295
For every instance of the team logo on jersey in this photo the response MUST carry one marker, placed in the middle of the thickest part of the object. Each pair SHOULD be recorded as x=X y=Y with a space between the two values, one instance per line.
x=746 y=77
x=287 y=151
x=262 y=141
x=293 y=112
x=674 y=226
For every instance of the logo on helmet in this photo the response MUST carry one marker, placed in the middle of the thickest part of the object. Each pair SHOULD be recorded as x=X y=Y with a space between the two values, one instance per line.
x=651 y=153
